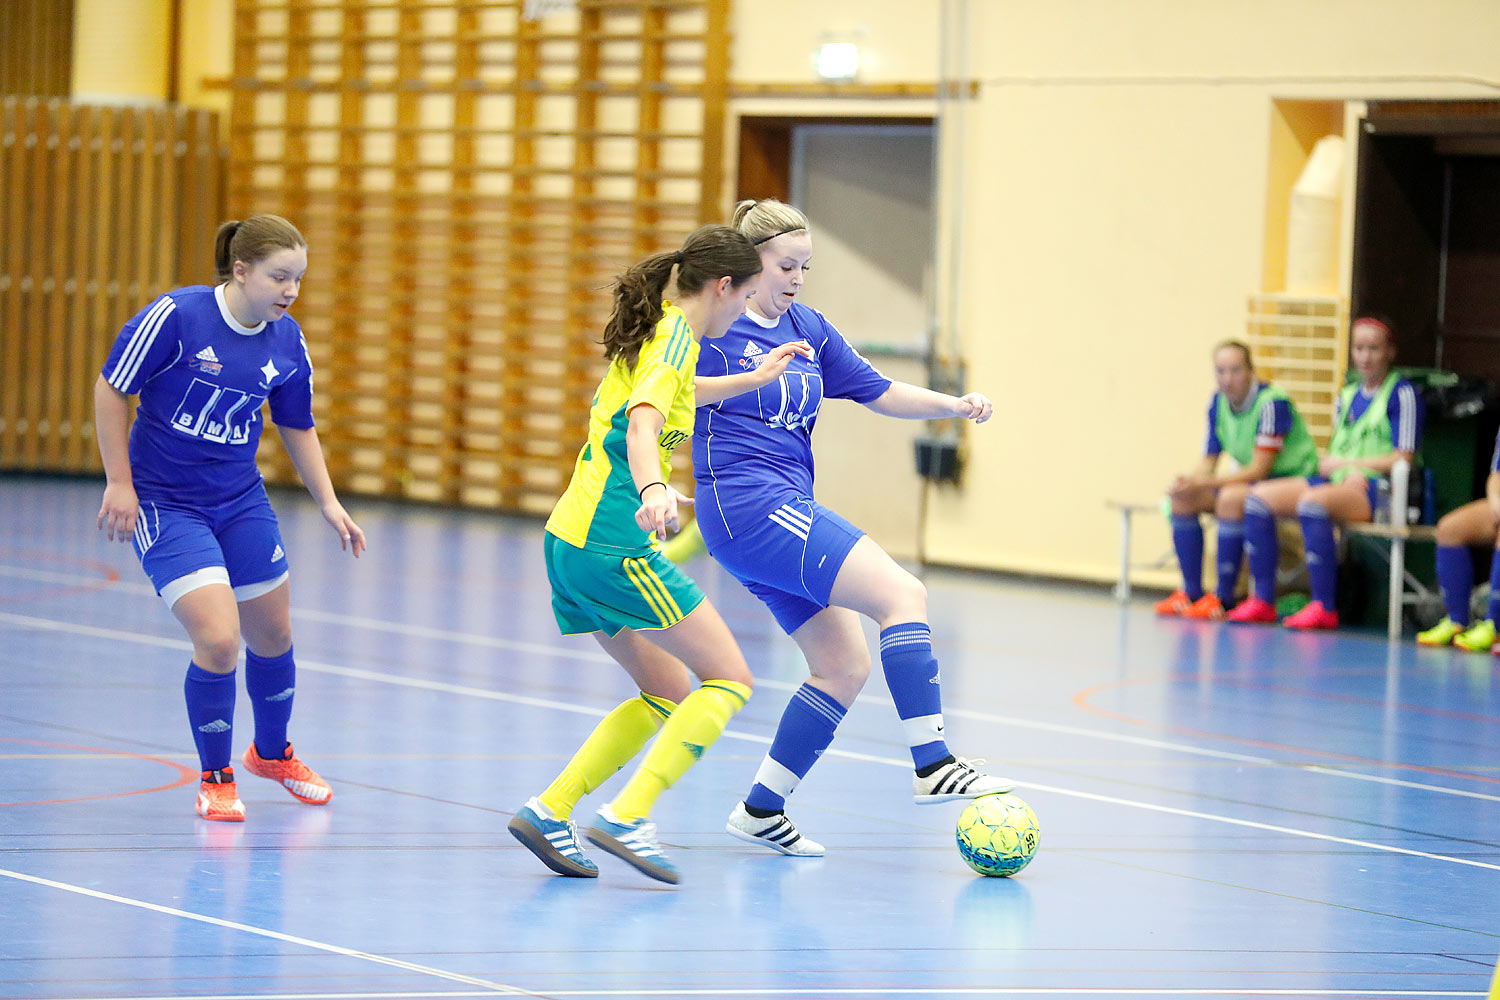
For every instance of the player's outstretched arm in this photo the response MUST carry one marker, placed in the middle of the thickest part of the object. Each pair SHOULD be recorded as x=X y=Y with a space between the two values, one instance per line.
x=716 y=388
x=118 y=512
x=306 y=453
x=912 y=402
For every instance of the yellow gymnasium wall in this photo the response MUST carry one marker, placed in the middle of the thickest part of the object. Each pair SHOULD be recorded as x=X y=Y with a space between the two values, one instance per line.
x=120 y=50
x=1114 y=215
x=1113 y=193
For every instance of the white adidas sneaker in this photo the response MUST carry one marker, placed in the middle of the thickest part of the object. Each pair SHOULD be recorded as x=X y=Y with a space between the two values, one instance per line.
x=958 y=780
x=776 y=832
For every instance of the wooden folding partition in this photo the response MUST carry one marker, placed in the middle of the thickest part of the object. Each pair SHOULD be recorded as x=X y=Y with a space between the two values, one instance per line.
x=470 y=178
x=101 y=210
x=36 y=47
x=1299 y=344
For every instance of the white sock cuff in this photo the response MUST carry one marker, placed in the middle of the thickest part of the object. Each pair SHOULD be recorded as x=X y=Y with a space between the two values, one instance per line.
x=777 y=777
x=923 y=729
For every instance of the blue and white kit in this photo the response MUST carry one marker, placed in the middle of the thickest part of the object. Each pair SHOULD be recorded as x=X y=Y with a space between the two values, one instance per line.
x=753 y=462
x=202 y=378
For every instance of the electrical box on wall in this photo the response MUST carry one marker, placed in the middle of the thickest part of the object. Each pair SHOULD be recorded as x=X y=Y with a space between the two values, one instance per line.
x=937 y=458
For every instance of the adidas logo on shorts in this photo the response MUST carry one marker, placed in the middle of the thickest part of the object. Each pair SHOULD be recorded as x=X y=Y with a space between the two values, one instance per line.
x=278 y=554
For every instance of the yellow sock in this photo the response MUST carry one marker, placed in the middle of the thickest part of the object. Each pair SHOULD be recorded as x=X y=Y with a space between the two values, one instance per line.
x=691 y=729
x=615 y=740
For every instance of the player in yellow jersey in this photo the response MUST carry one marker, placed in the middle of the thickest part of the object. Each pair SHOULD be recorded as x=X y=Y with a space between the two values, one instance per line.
x=607 y=572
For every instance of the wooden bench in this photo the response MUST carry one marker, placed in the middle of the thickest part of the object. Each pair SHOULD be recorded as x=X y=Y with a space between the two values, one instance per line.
x=1398 y=535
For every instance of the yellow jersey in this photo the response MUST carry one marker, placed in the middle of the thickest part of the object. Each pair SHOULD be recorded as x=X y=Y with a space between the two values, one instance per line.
x=597 y=511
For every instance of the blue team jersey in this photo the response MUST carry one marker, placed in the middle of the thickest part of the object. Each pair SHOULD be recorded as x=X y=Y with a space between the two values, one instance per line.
x=757 y=446
x=202 y=378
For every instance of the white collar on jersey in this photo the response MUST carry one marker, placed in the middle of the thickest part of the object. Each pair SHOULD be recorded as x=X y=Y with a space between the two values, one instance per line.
x=761 y=321
x=234 y=324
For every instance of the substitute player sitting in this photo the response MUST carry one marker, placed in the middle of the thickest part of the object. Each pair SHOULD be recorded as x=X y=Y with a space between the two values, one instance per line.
x=1475 y=523
x=1258 y=427
x=1378 y=422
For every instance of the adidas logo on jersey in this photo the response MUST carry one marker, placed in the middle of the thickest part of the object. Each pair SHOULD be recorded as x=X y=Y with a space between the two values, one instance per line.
x=752 y=357
x=206 y=361
x=278 y=554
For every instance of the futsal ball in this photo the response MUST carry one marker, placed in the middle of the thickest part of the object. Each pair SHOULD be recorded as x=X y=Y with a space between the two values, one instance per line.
x=998 y=835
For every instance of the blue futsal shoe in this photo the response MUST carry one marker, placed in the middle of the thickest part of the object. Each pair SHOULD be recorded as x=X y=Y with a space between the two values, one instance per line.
x=634 y=843
x=553 y=841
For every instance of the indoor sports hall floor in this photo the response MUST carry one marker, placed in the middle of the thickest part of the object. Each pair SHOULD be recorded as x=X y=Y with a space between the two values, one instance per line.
x=1225 y=811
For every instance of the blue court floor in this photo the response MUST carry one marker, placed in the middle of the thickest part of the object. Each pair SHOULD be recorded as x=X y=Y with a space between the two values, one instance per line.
x=1225 y=811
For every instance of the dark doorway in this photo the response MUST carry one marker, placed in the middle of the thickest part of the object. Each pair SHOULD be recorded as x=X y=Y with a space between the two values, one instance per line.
x=1427 y=231
x=1427 y=256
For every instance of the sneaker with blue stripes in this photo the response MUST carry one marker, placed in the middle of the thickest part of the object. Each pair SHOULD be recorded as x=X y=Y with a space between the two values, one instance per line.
x=634 y=843
x=553 y=841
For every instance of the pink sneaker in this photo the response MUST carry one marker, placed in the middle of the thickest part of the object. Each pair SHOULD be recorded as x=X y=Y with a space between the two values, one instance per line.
x=1253 y=610
x=1313 y=616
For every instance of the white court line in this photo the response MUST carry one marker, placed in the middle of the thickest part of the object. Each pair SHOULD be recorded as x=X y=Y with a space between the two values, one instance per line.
x=395 y=963
x=45 y=624
x=955 y=991
x=493 y=642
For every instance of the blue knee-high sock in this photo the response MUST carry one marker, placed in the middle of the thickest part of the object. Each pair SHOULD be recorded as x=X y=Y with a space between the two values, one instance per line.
x=1231 y=552
x=1494 y=608
x=1187 y=539
x=1322 y=552
x=270 y=682
x=911 y=672
x=210 y=708
x=806 y=729
x=1260 y=543
x=1455 y=573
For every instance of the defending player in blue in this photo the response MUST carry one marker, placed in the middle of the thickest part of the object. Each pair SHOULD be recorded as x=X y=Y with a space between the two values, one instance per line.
x=607 y=572
x=1475 y=523
x=186 y=490
x=1377 y=422
x=816 y=572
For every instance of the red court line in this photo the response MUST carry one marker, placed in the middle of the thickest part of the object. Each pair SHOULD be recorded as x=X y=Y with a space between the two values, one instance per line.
x=1081 y=699
x=187 y=774
x=109 y=574
x=1353 y=699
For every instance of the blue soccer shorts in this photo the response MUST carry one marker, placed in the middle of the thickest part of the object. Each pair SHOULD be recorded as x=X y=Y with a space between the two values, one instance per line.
x=788 y=557
x=237 y=543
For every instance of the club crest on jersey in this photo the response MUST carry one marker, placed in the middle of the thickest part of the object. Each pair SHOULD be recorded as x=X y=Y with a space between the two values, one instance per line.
x=206 y=361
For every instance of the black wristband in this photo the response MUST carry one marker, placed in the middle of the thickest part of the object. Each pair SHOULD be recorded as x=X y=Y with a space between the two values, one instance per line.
x=643 y=489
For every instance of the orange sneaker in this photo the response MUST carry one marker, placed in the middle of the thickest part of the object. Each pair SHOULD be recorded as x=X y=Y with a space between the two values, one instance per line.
x=1176 y=604
x=217 y=798
x=1313 y=616
x=1205 y=608
x=296 y=777
x=1255 y=610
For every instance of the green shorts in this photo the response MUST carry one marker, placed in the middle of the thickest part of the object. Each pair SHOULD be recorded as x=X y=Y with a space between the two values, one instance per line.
x=603 y=592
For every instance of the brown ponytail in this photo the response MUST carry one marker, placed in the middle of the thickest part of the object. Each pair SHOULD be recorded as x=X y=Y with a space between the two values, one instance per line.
x=709 y=254
x=252 y=241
